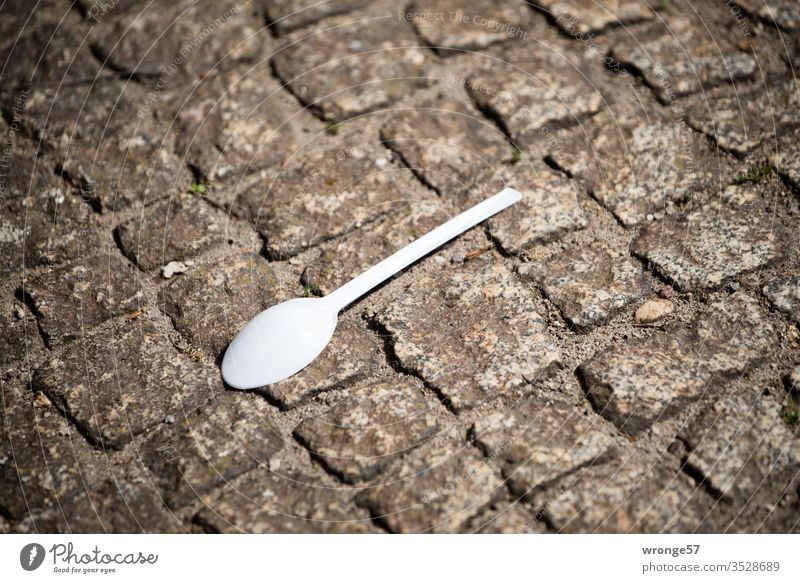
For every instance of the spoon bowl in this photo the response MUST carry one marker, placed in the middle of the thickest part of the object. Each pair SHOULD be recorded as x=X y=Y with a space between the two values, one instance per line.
x=279 y=342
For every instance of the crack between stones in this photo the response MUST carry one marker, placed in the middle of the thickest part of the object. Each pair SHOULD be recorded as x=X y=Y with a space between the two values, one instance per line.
x=81 y=427
x=312 y=108
x=496 y=119
x=414 y=171
x=26 y=299
x=395 y=364
x=702 y=482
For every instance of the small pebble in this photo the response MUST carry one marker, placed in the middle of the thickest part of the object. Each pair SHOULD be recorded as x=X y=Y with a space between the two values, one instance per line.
x=41 y=400
x=653 y=310
x=170 y=419
x=175 y=267
x=666 y=292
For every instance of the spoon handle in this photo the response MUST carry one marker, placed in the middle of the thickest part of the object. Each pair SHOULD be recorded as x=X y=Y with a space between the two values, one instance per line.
x=357 y=287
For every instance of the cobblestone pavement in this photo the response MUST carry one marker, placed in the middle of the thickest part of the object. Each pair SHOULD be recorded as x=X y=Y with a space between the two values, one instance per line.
x=619 y=352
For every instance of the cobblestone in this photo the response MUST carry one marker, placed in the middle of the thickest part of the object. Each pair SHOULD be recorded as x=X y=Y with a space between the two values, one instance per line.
x=787 y=158
x=41 y=220
x=471 y=25
x=107 y=142
x=793 y=380
x=168 y=170
x=446 y=141
x=270 y=502
x=161 y=37
x=702 y=59
x=784 y=13
x=342 y=259
x=636 y=168
x=785 y=295
x=625 y=498
x=45 y=50
x=343 y=69
x=702 y=249
x=440 y=328
x=637 y=384
x=222 y=292
x=528 y=91
x=52 y=478
x=129 y=364
x=740 y=121
x=32 y=441
x=540 y=440
x=589 y=286
x=324 y=194
x=357 y=438
x=437 y=488
x=239 y=121
x=20 y=335
x=505 y=519
x=585 y=16
x=176 y=229
x=71 y=299
x=739 y=443
x=189 y=458
x=287 y=15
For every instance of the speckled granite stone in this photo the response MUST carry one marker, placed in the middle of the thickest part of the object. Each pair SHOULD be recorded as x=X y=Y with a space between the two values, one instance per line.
x=681 y=56
x=740 y=121
x=549 y=208
x=589 y=286
x=785 y=295
x=468 y=25
x=52 y=480
x=326 y=192
x=176 y=229
x=342 y=259
x=739 y=442
x=530 y=92
x=585 y=16
x=729 y=235
x=71 y=299
x=123 y=379
x=437 y=488
x=236 y=122
x=357 y=438
x=539 y=440
x=626 y=497
x=638 y=169
x=107 y=142
x=636 y=384
x=42 y=221
x=233 y=435
x=221 y=293
x=787 y=158
x=471 y=334
x=162 y=37
x=783 y=13
x=263 y=501
x=287 y=15
x=446 y=141
x=353 y=354
x=342 y=68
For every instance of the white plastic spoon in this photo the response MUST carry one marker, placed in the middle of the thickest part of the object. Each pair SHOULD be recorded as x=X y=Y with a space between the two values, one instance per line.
x=287 y=337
